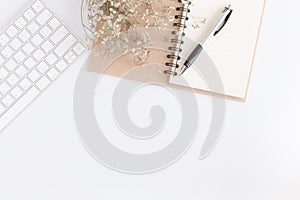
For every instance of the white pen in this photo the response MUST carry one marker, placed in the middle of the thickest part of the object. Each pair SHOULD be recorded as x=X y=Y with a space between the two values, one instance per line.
x=219 y=25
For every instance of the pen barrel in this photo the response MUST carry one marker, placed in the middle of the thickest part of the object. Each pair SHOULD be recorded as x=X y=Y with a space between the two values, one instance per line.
x=193 y=56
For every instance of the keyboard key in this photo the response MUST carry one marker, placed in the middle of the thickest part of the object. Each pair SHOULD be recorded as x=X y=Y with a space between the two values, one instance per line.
x=36 y=40
x=4 y=88
x=45 y=31
x=11 y=65
x=21 y=71
x=1 y=60
x=44 y=17
x=3 y=39
x=70 y=57
x=53 y=74
x=59 y=35
x=30 y=63
x=33 y=27
x=43 y=83
x=42 y=67
x=51 y=59
x=54 y=23
x=65 y=45
x=79 y=48
x=34 y=75
x=12 y=31
x=16 y=44
x=2 y=109
x=20 y=23
x=25 y=84
x=38 y=55
x=24 y=36
x=17 y=92
x=47 y=46
x=19 y=57
x=61 y=65
x=38 y=6
x=3 y=73
x=29 y=14
x=7 y=117
x=8 y=101
x=7 y=52
x=12 y=80
x=28 y=48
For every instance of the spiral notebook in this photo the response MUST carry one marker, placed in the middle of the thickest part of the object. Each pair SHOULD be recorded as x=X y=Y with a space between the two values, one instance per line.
x=231 y=53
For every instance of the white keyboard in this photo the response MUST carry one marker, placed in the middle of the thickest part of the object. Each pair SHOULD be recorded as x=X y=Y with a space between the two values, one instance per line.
x=34 y=51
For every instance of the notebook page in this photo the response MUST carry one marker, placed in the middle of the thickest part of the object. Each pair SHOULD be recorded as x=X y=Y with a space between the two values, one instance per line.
x=231 y=51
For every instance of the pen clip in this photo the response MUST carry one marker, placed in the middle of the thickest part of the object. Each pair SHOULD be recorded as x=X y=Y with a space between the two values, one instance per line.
x=224 y=22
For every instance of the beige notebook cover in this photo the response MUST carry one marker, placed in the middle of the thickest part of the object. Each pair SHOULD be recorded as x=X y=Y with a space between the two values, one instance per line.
x=232 y=51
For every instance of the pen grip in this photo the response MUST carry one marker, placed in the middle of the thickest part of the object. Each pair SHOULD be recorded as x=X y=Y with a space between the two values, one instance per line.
x=193 y=56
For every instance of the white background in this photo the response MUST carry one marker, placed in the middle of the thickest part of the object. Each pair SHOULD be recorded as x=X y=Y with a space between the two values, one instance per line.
x=41 y=156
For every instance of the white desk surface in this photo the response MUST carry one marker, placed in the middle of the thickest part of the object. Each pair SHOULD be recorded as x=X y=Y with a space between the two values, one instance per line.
x=41 y=156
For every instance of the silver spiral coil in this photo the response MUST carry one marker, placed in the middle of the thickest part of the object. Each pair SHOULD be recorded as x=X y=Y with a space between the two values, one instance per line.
x=178 y=41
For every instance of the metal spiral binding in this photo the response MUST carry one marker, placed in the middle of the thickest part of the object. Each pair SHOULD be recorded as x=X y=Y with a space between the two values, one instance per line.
x=179 y=37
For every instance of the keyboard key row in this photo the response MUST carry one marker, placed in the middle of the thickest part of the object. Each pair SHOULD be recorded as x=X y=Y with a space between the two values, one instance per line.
x=33 y=27
x=18 y=106
x=13 y=80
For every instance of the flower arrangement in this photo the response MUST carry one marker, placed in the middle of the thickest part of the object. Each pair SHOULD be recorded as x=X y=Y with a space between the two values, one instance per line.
x=107 y=19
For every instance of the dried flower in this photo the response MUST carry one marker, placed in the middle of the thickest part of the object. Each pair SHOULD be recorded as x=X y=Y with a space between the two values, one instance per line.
x=108 y=19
